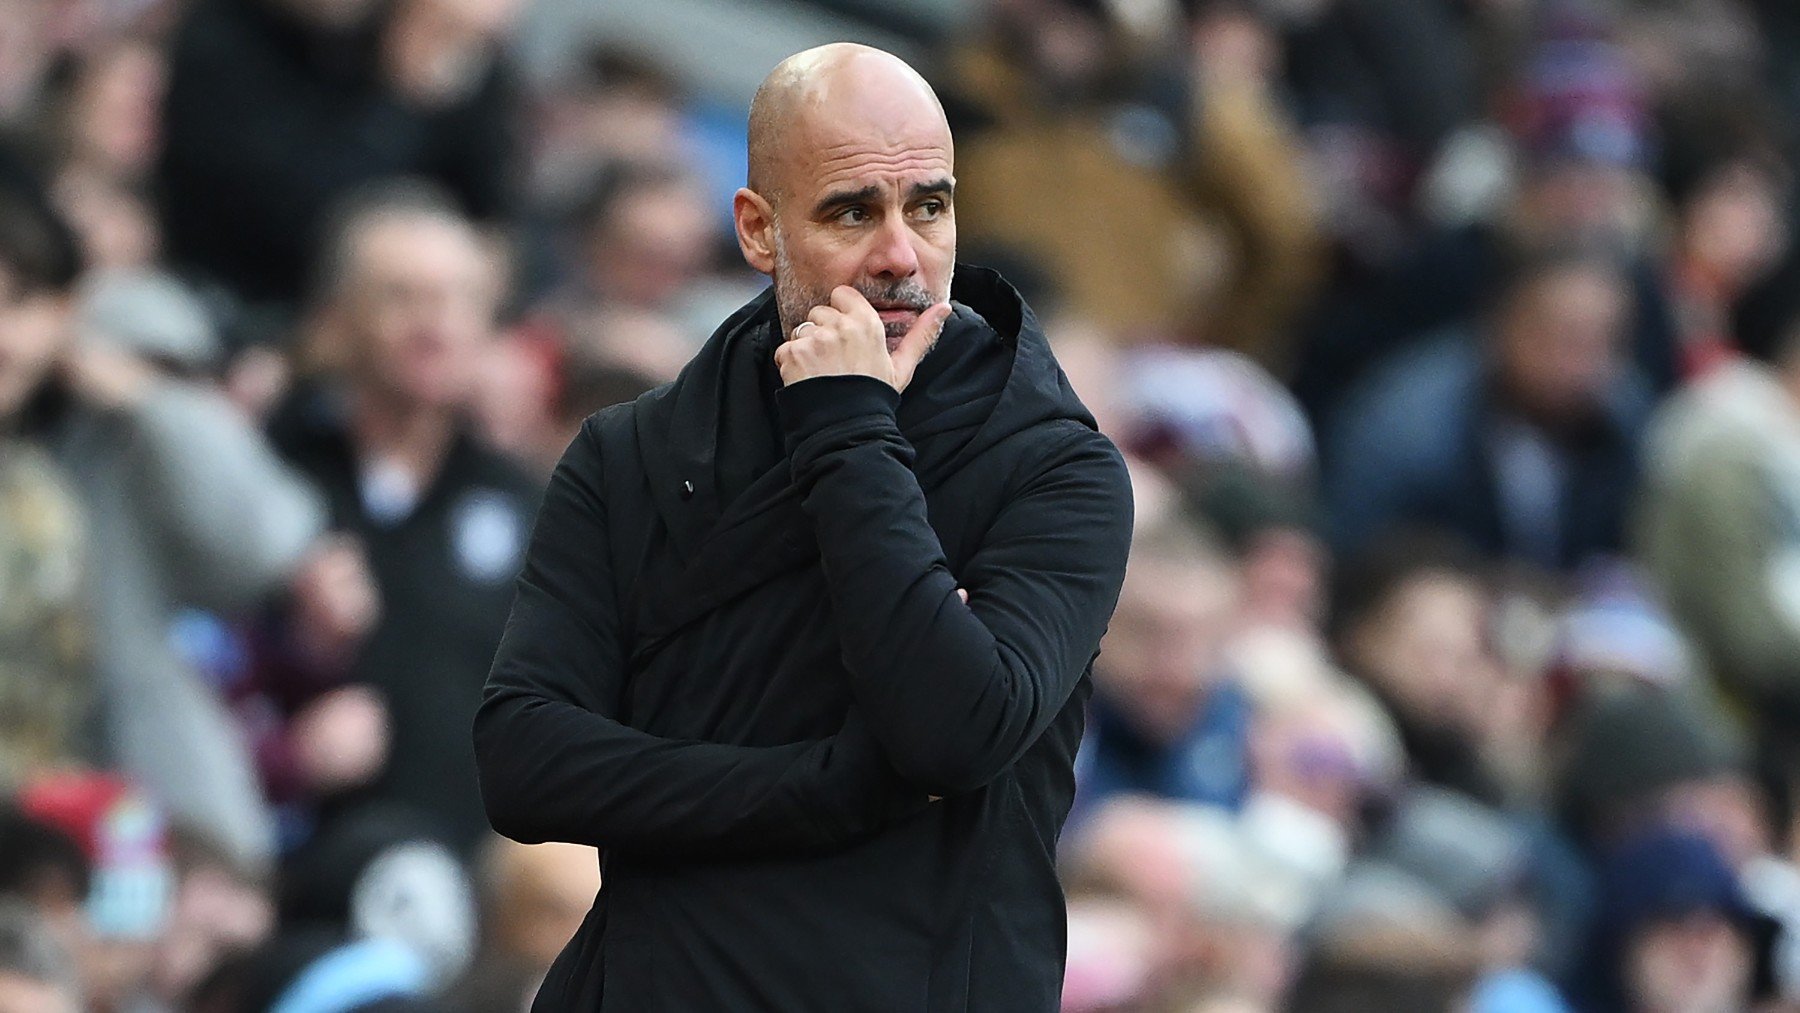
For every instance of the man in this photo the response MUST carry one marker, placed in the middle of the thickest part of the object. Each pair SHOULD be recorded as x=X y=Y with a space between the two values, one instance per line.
x=771 y=609
x=1526 y=447
x=405 y=310
x=277 y=108
x=1168 y=719
x=1718 y=521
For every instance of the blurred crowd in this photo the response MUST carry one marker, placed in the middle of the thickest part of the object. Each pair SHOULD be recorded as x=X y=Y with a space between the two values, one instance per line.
x=1455 y=346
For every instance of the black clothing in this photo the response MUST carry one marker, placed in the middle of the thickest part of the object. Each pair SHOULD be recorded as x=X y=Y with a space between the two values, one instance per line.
x=744 y=695
x=444 y=571
x=269 y=122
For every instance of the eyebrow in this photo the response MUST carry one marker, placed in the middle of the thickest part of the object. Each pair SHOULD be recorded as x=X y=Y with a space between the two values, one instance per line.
x=837 y=201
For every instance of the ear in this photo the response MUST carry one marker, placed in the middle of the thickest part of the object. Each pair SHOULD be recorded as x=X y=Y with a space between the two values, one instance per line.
x=754 y=219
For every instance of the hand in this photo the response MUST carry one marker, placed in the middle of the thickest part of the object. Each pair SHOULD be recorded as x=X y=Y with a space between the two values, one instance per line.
x=341 y=739
x=847 y=338
x=335 y=601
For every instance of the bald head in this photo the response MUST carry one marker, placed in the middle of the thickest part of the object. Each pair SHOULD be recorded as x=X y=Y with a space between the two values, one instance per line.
x=808 y=93
x=850 y=185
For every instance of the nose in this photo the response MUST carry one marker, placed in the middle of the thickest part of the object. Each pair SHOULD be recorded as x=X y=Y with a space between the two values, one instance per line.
x=893 y=255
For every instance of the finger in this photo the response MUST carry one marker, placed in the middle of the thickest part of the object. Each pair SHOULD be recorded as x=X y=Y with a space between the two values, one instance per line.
x=824 y=315
x=964 y=595
x=855 y=306
x=850 y=302
x=919 y=339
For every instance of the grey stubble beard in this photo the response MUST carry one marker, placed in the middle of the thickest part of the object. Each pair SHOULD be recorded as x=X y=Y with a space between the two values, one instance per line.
x=793 y=301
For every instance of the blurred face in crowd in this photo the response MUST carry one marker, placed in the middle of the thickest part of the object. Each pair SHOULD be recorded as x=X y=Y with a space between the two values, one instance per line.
x=1425 y=649
x=19 y=994
x=416 y=305
x=1161 y=652
x=34 y=327
x=657 y=241
x=1559 y=341
x=851 y=184
x=215 y=914
x=1733 y=227
x=1066 y=47
x=115 y=111
x=1696 y=964
x=1584 y=202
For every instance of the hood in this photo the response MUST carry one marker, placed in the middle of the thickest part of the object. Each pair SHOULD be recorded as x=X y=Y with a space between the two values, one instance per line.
x=991 y=376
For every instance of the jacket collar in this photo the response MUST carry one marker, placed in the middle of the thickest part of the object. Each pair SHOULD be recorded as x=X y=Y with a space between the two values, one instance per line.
x=678 y=425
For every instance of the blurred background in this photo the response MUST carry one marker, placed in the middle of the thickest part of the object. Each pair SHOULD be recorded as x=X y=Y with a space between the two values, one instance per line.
x=1455 y=345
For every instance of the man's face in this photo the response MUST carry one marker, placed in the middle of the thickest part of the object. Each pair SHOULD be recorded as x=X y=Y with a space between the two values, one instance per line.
x=658 y=244
x=34 y=326
x=1425 y=649
x=418 y=308
x=867 y=204
x=1162 y=648
x=1559 y=341
x=1696 y=964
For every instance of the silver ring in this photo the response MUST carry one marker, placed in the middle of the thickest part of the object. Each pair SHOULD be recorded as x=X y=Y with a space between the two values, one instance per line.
x=802 y=325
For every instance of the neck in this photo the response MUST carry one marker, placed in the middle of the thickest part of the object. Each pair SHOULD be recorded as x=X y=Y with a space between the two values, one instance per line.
x=415 y=436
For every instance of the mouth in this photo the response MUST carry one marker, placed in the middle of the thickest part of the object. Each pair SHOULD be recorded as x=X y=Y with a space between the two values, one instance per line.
x=895 y=314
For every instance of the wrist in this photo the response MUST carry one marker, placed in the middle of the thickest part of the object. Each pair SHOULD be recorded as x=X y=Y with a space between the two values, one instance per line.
x=816 y=403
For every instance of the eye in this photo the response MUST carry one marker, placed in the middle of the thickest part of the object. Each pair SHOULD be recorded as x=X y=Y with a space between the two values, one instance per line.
x=930 y=210
x=853 y=216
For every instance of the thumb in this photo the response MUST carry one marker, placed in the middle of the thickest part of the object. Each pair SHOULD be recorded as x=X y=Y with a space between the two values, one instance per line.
x=917 y=342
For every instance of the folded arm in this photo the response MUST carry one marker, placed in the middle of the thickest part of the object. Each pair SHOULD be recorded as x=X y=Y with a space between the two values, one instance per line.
x=956 y=693
x=557 y=764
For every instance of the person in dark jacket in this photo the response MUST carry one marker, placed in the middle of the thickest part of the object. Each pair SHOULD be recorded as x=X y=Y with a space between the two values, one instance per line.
x=803 y=639
x=407 y=301
x=1520 y=437
x=279 y=108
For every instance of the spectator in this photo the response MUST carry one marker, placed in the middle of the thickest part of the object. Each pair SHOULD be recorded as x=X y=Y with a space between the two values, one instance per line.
x=1674 y=934
x=1729 y=233
x=1575 y=150
x=407 y=303
x=643 y=237
x=1385 y=941
x=185 y=504
x=218 y=909
x=46 y=870
x=278 y=108
x=1411 y=622
x=123 y=842
x=1167 y=720
x=1522 y=438
x=1161 y=140
x=1720 y=520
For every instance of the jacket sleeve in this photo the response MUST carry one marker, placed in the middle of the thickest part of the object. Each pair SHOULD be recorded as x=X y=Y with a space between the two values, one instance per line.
x=234 y=520
x=557 y=763
x=956 y=694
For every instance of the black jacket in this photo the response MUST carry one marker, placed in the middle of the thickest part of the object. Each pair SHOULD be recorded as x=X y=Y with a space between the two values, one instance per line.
x=744 y=694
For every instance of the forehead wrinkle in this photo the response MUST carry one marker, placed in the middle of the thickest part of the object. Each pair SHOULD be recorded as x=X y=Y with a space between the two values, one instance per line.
x=852 y=164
